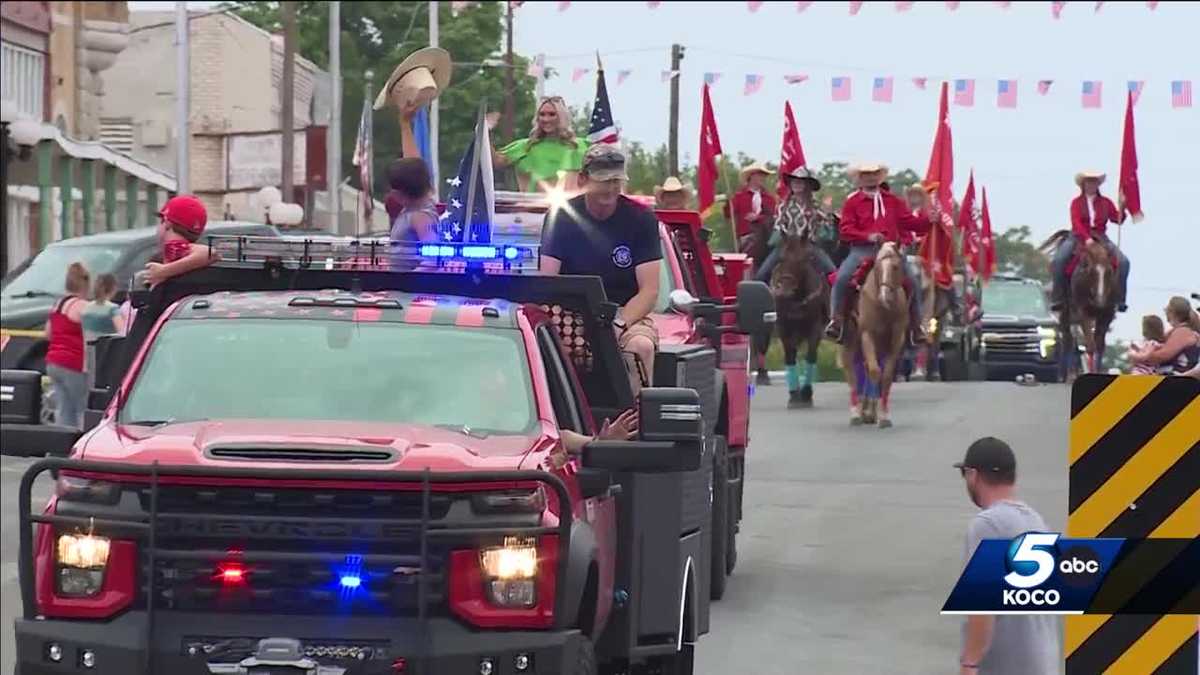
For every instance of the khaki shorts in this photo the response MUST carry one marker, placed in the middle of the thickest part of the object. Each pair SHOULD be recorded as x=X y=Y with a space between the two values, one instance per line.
x=643 y=327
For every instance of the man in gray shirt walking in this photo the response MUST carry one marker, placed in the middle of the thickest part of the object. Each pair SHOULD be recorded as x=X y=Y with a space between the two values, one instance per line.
x=1005 y=644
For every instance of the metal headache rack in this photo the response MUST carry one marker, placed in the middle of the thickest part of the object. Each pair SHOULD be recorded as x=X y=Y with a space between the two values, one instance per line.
x=372 y=254
x=150 y=527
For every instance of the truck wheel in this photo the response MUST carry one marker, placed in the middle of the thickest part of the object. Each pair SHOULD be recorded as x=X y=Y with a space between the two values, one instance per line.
x=583 y=660
x=721 y=533
x=952 y=367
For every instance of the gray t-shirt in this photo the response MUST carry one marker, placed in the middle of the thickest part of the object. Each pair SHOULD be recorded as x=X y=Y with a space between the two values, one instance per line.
x=1021 y=645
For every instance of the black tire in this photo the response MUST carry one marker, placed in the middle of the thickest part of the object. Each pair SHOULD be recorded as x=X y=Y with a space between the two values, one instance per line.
x=583 y=661
x=721 y=532
x=952 y=367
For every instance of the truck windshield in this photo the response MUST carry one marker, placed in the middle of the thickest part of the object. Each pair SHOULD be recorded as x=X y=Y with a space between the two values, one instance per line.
x=46 y=274
x=301 y=369
x=1014 y=299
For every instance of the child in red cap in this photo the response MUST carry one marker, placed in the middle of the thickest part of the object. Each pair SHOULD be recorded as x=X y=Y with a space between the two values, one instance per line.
x=183 y=219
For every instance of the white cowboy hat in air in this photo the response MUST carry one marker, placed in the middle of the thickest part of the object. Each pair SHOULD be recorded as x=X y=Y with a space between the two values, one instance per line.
x=421 y=77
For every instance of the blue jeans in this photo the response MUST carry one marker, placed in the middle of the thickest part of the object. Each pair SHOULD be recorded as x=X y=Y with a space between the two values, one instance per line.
x=1063 y=256
x=858 y=253
x=824 y=262
x=70 y=395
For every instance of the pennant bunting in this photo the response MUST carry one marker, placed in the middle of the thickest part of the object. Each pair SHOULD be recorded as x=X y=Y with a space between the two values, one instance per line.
x=515 y=3
x=1152 y=5
x=1128 y=188
x=563 y=5
x=903 y=6
x=578 y=73
x=710 y=79
x=1044 y=87
x=623 y=75
x=796 y=78
x=1135 y=89
x=801 y=6
x=1056 y=9
x=1091 y=93
x=1003 y=5
x=1006 y=94
x=754 y=82
x=840 y=88
x=1099 y=4
x=537 y=67
x=920 y=82
x=754 y=5
x=1181 y=94
x=854 y=7
x=964 y=93
x=881 y=90
x=653 y=4
x=952 y=6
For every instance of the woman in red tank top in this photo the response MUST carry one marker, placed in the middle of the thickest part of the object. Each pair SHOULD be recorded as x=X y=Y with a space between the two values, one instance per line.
x=64 y=357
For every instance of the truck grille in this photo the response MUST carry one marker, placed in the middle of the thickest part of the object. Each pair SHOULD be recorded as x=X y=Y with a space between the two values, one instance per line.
x=1014 y=341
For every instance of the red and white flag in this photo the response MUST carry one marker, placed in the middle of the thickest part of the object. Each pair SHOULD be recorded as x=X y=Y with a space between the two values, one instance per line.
x=623 y=75
x=1056 y=9
x=791 y=155
x=1099 y=4
x=754 y=82
x=796 y=78
x=1135 y=89
x=840 y=88
x=987 y=242
x=653 y=4
x=854 y=7
x=753 y=5
x=710 y=149
x=578 y=73
x=920 y=82
x=881 y=90
x=971 y=245
x=563 y=5
x=801 y=6
x=1006 y=94
x=903 y=6
x=1152 y=5
x=1091 y=94
x=1129 y=188
x=1044 y=87
x=1002 y=4
x=938 y=247
x=952 y=5
x=964 y=93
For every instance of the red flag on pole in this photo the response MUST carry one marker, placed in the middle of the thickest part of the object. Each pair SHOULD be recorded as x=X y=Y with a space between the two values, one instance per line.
x=966 y=213
x=972 y=246
x=989 y=244
x=938 y=247
x=710 y=148
x=1130 y=192
x=792 y=155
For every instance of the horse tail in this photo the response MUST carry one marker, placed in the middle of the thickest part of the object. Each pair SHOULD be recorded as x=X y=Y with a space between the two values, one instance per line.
x=1054 y=240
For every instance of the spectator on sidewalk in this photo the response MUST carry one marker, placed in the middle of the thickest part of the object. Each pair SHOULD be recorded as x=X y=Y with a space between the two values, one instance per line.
x=1005 y=644
x=64 y=355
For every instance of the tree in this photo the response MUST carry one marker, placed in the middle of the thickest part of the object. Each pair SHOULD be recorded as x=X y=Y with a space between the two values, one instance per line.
x=1016 y=254
x=377 y=36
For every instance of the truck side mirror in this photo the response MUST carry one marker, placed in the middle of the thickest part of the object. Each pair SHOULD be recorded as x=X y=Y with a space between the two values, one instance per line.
x=670 y=436
x=755 y=307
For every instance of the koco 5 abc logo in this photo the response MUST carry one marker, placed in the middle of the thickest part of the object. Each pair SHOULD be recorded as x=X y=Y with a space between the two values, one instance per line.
x=1033 y=558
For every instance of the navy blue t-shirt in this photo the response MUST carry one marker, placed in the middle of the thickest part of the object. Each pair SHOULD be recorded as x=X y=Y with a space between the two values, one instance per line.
x=610 y=249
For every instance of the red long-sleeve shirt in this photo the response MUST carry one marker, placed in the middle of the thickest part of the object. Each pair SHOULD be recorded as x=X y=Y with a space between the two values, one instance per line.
x=743 y=206
x=1103 y=213
x=859 y=221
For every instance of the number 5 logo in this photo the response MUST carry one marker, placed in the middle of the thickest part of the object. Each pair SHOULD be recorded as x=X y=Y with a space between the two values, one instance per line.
x=1030 y=562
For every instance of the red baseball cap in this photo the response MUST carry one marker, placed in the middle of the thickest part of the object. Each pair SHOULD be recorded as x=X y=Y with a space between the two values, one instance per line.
x=187 y=212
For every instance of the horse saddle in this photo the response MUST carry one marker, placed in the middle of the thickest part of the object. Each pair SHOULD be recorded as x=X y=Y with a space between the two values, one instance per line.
x=1077 y=257
x=859 y=277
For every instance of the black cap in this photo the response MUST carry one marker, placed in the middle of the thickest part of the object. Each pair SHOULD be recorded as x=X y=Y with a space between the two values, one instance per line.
x=990 y=455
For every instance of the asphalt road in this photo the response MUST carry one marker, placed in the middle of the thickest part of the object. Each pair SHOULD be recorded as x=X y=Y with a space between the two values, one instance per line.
x=853 y=537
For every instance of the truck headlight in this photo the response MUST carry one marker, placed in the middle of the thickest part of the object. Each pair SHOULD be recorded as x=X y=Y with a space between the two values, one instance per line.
x=1047 y=339
x=511 y=572
x=81 y=562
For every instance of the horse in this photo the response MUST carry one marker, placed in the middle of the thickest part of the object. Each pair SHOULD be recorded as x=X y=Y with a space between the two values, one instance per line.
x=937 y=309
x=757 y=246
x=802 y=310
x=877 y=332
x=1091 y=300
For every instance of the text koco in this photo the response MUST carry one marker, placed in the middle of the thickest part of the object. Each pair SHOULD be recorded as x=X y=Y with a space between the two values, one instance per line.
x=1022 y=597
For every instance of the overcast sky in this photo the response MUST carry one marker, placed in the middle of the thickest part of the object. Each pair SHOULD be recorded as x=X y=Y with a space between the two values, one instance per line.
x=1026 y=157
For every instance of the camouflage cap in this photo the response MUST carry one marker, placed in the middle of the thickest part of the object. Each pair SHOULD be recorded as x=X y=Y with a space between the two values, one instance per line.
x=604 y=162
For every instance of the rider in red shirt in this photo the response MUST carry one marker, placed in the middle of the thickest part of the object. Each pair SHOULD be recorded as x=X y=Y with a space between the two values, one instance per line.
x=752 y=204
x=1091 y=212
x=873 y=215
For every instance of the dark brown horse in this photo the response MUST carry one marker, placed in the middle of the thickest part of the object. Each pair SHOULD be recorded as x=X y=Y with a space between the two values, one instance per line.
x=802 y=310
x=1091 y=301
x=876 y=339
x=757 y=246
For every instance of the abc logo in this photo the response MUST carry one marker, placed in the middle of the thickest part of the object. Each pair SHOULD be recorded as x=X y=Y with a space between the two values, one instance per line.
x=1031 y=561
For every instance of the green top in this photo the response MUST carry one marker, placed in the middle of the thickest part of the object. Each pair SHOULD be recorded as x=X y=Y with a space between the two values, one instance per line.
x=544 y=159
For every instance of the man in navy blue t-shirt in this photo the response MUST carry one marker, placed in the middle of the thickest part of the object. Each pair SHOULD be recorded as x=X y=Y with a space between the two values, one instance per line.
x=606 y=234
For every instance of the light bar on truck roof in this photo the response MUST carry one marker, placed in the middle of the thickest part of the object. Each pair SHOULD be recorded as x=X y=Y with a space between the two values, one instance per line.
x=374 y=254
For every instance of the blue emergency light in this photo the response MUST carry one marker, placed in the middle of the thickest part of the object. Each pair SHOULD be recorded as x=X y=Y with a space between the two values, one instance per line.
x=472 y=252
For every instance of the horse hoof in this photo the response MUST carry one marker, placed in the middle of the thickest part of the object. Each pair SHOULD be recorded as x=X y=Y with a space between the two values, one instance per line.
x=856 y=421
x=794 y=401
x=885 y=424
x=806 y=394
x=763 y=379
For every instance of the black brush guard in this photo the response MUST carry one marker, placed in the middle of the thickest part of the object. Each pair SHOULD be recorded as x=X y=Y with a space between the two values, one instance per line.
x=143 y=527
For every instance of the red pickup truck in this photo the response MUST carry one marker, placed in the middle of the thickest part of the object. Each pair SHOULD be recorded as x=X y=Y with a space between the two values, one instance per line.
x=307 y=470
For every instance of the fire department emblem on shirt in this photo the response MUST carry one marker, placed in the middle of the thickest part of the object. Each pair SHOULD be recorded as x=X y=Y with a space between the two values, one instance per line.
x=622 y=257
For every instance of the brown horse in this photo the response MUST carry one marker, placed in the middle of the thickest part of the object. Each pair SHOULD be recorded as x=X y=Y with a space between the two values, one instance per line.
x=757 y=246
x=876 y=339
x=1091 y=301
x=802 y=309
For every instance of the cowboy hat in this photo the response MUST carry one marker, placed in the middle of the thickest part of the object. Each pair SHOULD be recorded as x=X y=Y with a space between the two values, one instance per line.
x=925 y=187
x=421 y=77
x=672 y=184
x=757 y=167
x=806 y=174
x=1083 y=175
x=867 y=167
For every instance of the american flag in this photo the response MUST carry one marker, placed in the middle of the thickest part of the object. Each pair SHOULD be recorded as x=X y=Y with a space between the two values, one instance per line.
x=1044 y=87
x=711 y=78
x=952 y=6
x=796 y=78
x=623 y=75
x=840 y=88
x=1181 y=94
x=754 y=82
x=653 y=5
x=537 y=67
x=362 y=159
x=1002 y=4
x=854 y=7
x=1006 y=94
x=964 y=92
x=801 y=6
x=578 y=73
x=881 y=90
x=1135 y=88
x=920 y=82
x=1098 y=6
x=563 y=5
x=602 y=129
x=471 y=208
x=903 y=6
x=1091 y=93
x=1056 y=9
x=753 y=5
x=1152 y=5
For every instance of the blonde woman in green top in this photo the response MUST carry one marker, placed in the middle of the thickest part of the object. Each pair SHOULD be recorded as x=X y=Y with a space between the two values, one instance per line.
x=552 y=150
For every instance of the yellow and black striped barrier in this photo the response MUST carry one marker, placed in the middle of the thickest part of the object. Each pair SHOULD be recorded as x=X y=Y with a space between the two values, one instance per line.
x=1134 y=462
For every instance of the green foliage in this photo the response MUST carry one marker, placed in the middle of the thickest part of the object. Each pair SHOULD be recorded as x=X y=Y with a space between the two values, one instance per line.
x=377 y=36
x=1017 y=254
x=829 y=369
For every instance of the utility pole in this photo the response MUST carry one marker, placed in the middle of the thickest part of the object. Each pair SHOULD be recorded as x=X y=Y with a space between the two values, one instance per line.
x=434 y=111
x=182 y=99
x=509 y=75
x=288 y=104
x=673 y=132
x=333 y=140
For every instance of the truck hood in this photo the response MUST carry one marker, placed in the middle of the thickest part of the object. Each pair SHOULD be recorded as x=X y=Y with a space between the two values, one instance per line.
x=256 y=443
x=25 y=313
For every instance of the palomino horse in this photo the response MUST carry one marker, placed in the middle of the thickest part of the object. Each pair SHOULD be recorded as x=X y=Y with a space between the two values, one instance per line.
x=876 y=339
x=1091 y=301
x=802 y=308
x=757 y=246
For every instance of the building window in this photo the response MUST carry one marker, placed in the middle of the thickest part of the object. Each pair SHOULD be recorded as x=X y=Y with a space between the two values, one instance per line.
x=23 y=81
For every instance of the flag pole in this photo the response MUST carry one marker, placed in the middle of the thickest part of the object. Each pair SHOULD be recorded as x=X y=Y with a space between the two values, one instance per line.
x=729 y=203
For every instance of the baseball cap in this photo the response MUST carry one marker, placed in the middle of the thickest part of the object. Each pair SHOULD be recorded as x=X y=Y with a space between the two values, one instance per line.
x=990 y=455
x=604 y=162
x=187 y=212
